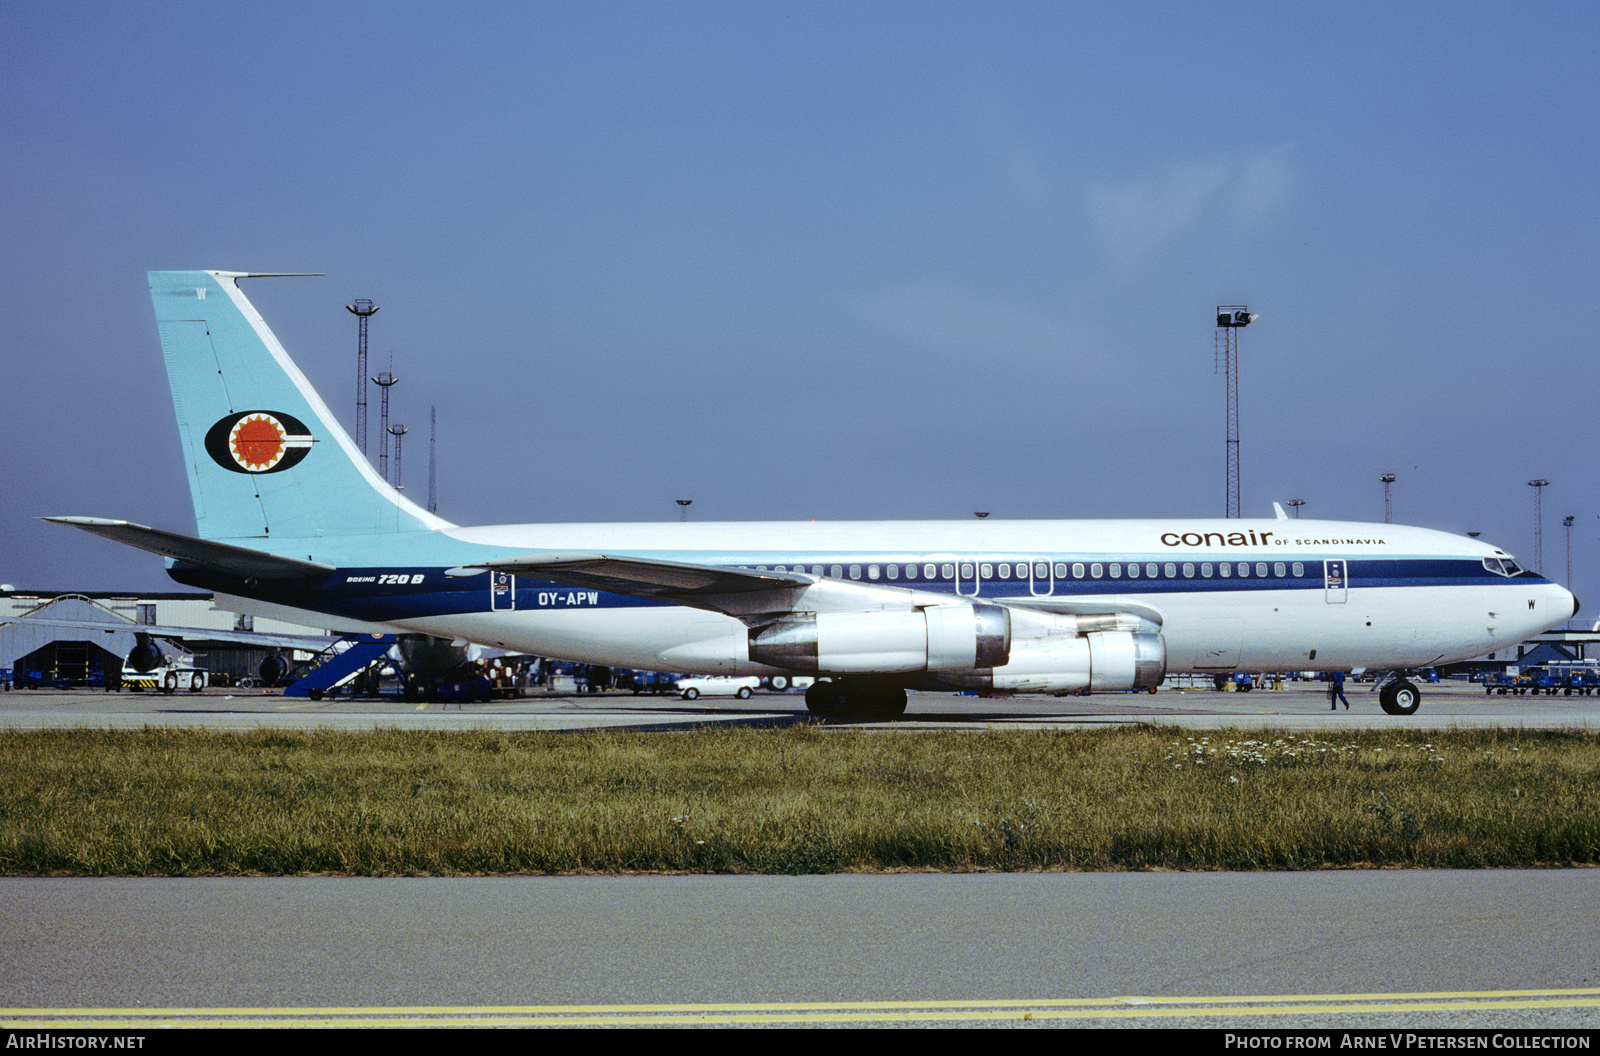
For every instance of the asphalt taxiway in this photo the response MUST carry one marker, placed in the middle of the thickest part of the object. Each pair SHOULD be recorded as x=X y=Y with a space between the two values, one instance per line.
x=1298 y=706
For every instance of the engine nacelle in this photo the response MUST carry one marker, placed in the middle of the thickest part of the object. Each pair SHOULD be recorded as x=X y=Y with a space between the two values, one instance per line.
x=145 y=655
x=1063 y=654
x=428 y=656
x=938 y=638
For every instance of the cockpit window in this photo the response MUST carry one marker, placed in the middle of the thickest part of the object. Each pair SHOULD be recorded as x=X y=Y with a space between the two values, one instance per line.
x=1501 y=566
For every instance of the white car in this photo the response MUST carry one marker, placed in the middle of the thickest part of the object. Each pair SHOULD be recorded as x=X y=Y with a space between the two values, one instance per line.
x=717 y=686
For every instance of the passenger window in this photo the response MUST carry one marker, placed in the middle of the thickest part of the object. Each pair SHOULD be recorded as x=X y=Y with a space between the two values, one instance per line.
x=894 y=571
x=1096 y=570
x=1188 y=570
x=1005 y=571
x=1244 y=569
x=855 y=571
x=1116 y=570
x=1277 y=569
x=1205 y=569
x=928 y=571
x=1172 y=571
x=1061 y=570
x=948 y=570
x=1133 y=570
x=1298 y=569
x=1077 y=571
x=1261 y=568
x=873 y=572
x=986 y=571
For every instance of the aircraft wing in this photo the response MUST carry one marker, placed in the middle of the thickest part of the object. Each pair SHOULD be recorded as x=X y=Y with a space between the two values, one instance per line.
x=219 y=557
x=746 y=593
x=735 y=591
x=680 y=583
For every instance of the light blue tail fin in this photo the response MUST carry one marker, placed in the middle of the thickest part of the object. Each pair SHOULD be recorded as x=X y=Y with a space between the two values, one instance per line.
x=266 y=458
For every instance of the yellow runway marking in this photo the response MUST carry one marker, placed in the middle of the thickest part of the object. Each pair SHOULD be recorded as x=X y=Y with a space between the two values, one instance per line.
x=792 y=1012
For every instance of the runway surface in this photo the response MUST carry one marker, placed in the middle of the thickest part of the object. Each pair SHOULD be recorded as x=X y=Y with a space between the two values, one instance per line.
x=1364 y=949
x=1299 y=706
x=1413 y=949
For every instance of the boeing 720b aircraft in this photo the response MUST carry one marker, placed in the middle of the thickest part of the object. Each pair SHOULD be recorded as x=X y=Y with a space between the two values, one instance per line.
x=294 y=523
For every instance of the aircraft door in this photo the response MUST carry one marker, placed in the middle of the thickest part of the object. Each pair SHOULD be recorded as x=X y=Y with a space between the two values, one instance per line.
x=502 y=591
x=1336 y=585
x=968 y=579
x=1040 y=580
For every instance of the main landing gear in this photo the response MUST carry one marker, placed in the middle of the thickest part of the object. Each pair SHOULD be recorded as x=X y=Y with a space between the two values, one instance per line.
x=1399 y=697
x=855 y=698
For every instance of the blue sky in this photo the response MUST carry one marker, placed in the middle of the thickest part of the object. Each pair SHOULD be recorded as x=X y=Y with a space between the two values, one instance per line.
x=796 y=260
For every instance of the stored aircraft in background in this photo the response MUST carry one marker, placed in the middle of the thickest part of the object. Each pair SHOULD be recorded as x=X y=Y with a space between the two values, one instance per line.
x=295 y=524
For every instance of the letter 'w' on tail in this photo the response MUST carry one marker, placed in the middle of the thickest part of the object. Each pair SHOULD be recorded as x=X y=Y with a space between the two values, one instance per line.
x=266 y=458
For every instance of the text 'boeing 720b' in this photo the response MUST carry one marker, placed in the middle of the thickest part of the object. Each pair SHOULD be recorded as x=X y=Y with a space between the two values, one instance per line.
x=294 y=523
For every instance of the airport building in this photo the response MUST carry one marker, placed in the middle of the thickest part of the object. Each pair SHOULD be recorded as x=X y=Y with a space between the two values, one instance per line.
x=61 y=652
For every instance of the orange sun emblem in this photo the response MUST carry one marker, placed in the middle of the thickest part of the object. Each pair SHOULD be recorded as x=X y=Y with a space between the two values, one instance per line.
x=257 y=443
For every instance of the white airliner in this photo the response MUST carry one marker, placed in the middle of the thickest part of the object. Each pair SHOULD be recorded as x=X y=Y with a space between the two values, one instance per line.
x=294 y=524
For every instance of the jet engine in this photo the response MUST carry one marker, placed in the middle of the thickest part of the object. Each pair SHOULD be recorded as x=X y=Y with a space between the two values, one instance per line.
x=428 y=656
x=958 y=637
x=973 y=646
x=1052 y=653
x=145 y=655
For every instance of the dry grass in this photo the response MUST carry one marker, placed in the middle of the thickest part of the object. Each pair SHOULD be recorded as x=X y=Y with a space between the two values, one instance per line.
x=797 y=800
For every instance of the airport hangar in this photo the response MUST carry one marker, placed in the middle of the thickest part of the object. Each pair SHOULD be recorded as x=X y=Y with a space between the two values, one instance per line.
x=78 y=655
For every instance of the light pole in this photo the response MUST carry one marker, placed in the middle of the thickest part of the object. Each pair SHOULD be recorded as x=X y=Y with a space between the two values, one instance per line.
x=1295 y=504
x=1538 y=487
x=683 y=511
x=384 y=381
x=397 y=431
x=363 y=309
x=1567 y=524
x=1388 y=505
x=1231 y=318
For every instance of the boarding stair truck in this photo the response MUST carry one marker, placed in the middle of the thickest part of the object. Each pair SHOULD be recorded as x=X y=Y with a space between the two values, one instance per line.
x=339 y=664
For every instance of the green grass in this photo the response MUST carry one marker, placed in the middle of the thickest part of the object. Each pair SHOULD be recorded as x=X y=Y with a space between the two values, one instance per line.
x=796 y=800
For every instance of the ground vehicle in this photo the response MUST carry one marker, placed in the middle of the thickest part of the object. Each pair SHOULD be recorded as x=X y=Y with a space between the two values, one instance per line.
x=784 y=683
x=717 y=686
x=168 y=679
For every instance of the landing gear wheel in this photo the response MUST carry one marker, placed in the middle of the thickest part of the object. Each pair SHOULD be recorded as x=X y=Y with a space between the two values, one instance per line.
x=1400 y=698
x=778 y=683
x=890 y=702
x=825 y=699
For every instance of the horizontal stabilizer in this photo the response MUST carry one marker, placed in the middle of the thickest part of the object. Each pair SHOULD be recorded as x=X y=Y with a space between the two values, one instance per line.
x=311 y=642
x=219 y=557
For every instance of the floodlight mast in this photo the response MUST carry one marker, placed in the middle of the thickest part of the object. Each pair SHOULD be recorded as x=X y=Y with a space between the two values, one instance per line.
x=1538 y=487
x=363 y=309
x=1231 y=318
x=384 y=380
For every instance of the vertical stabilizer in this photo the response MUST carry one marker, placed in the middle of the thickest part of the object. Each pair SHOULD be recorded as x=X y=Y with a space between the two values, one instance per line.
x=266 y=458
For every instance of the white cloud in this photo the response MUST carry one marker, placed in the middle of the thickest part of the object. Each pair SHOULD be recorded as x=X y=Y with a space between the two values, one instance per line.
x=1141 y=218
